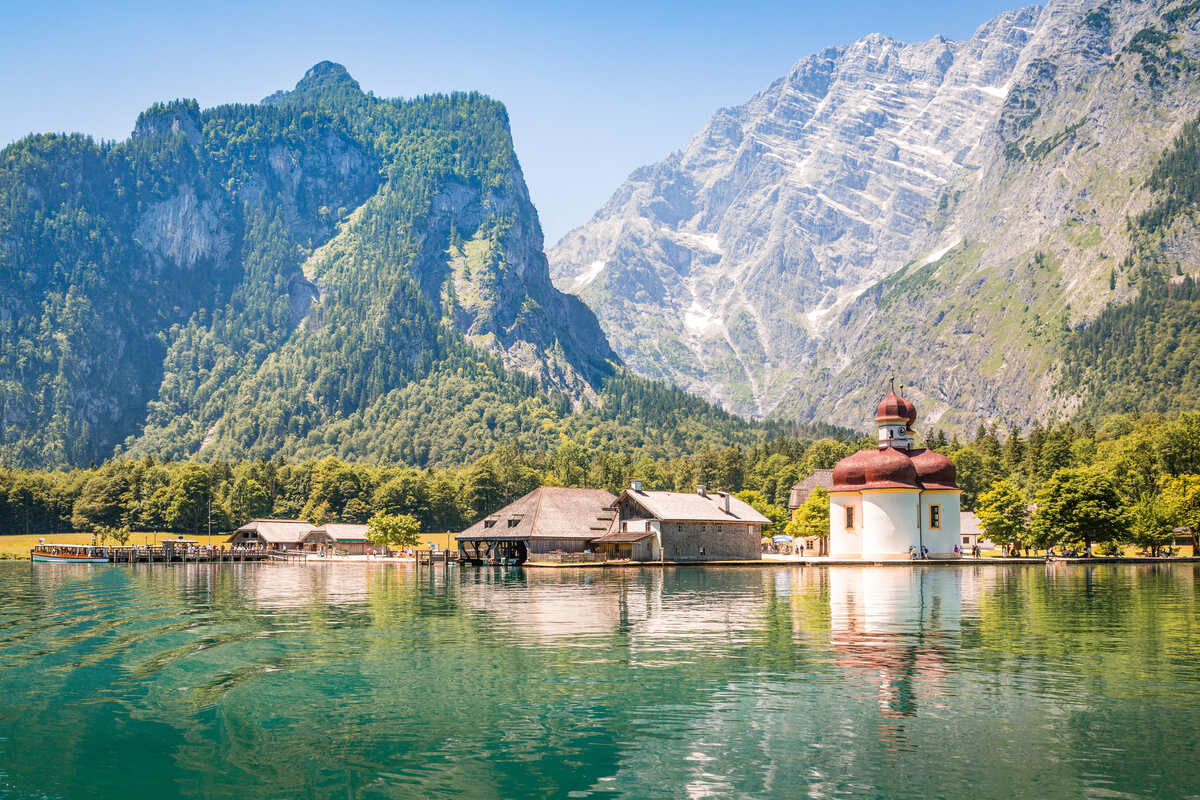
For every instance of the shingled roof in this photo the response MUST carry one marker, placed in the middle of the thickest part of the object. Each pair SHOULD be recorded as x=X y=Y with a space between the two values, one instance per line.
x=548 y=512
x=695 y=507
x=277 y=531
x=822 y=478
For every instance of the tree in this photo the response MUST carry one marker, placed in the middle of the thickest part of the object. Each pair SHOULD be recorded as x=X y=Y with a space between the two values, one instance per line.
x=812 y=518
x=1077 y=505
x=1004 y=515
x=103 y=502
x=189 y=498
x=407 y=493
x=776 y=513
x=824 y=454
x=1181 y=500
x=119 y=534
x=394 y=530
x=248 y=500
x=974 y=475
x=482 y=492
x=1151 y=525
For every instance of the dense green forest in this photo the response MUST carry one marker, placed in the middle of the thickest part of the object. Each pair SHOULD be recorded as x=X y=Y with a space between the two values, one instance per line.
x=1143 y=355
x=1139 y=471
x=147 y=494
x=324 y=273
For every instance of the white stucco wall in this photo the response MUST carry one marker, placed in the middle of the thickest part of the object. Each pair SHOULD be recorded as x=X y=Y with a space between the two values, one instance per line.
x=889 y=523
x=941 y=542
x=886 y=524
x=845 y=543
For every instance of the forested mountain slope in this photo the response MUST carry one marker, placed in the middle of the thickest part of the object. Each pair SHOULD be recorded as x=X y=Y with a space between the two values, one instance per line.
x=323 y=273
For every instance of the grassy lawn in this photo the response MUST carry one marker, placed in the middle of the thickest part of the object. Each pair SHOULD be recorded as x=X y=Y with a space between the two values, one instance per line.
x=19 y=544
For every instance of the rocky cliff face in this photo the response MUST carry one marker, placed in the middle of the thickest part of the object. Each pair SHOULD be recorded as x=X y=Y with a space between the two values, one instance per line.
x=879 y=208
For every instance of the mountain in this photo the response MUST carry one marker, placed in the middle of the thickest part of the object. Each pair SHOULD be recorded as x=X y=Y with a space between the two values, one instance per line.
x=323 y=273
x=959 y=213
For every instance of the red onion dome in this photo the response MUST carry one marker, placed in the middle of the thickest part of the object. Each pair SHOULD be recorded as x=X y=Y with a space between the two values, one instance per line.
x=895 y=408
x=885 y=468
x=934 y=470
x=850 y=473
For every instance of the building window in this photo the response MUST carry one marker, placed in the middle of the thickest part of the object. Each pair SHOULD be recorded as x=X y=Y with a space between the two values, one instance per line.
x=489 y=523
x=512 y=523
x=966 y=540
x=935 y=517
x=849 y=517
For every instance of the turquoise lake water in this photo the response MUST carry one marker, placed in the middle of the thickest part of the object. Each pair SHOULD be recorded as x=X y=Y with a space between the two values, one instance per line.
x=379 y=681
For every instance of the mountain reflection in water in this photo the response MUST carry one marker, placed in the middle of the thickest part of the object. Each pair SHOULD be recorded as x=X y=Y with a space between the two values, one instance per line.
x=373 y=680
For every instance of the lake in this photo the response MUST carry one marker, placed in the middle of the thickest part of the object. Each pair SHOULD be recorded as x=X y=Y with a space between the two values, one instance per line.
x=376 y=681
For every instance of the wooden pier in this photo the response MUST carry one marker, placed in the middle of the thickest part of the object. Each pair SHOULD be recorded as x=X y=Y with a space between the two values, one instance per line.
x=170 y=553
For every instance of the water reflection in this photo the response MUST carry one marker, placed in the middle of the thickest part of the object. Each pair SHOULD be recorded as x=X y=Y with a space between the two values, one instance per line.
x=364 y=680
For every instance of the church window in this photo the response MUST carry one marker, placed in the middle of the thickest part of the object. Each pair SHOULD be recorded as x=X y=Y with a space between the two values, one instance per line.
x=849 y=517
x=935 y=517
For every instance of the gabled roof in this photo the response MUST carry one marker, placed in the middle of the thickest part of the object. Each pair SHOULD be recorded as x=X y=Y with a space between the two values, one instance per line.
x=277 y=531
x=548 y=512
x=803 y=488
x=341 y=532
x=694 y=507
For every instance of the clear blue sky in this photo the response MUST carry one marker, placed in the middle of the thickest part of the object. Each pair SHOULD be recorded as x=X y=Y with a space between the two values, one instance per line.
x=593 y=90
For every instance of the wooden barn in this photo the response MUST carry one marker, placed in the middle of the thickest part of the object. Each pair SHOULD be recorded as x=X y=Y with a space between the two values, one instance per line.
x=550 y=519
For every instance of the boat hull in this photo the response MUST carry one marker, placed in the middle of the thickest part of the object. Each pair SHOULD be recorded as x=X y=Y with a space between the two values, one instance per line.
x=48 y=559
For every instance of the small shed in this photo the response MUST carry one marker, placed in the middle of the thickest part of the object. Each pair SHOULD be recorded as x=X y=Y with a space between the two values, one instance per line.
x=342 y=537
x=635 y=545
x=272 y=534
x=971 y=534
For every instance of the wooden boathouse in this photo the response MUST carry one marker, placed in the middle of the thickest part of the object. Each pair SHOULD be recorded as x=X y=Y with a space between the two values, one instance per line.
x=548 y=520
x=273 y=534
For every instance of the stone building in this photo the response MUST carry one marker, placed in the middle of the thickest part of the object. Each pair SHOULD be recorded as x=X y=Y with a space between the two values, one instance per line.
x=683 y=527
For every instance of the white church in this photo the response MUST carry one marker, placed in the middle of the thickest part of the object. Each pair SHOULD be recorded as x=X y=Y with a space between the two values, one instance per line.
x=894 y=498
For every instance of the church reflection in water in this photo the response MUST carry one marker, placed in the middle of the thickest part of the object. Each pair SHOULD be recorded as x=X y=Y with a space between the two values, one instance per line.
x=895 y=629
x=888 y=634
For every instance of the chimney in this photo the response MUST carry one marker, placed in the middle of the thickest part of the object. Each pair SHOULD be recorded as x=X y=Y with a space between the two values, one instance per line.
x=725 y=502
x=635 y=485
x=702 y=490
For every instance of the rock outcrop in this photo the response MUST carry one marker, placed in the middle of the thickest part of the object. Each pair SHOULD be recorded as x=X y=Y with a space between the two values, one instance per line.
x=877 y=210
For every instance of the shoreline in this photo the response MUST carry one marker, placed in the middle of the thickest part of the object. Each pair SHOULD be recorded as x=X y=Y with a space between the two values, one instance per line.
x=825 y=561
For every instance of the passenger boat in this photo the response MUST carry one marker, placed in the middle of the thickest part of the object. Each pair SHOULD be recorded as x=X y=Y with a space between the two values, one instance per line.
x=69 y=554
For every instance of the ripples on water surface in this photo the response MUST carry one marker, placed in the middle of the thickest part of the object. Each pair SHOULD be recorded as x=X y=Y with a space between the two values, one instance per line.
x=374 y=681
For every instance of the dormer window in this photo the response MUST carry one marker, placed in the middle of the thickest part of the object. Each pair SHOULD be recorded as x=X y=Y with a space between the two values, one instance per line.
x=489 y=523
x=512 y=523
